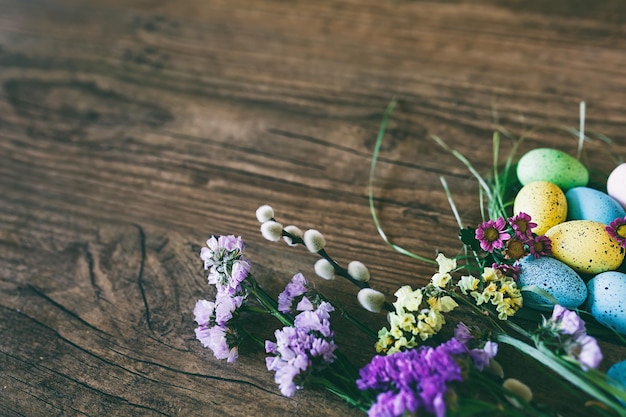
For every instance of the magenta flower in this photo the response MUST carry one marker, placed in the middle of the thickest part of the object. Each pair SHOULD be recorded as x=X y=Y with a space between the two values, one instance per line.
x=491 y=234
x=522 y=226
x=617 y=230
x=540 y=246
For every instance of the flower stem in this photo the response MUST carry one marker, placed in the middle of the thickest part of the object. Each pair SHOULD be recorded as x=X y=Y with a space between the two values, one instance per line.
x=553 y=362
x=267 y=302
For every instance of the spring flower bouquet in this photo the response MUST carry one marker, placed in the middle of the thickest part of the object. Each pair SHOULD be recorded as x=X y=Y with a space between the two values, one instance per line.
x=438 y=353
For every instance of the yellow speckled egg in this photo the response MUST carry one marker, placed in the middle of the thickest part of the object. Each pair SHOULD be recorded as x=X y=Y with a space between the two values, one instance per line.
x=544 y=202
x=585 y=246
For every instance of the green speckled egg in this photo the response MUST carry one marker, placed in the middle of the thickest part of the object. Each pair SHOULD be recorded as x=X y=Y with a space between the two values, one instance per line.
x=585 y=246
x=544 y=202
x=557 y=167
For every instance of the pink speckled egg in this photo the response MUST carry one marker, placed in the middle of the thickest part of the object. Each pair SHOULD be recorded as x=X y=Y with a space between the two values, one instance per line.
x=616 y=184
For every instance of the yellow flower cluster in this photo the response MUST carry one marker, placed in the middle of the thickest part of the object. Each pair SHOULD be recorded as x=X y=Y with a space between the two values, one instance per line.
x=495 y=288
x=418 y=313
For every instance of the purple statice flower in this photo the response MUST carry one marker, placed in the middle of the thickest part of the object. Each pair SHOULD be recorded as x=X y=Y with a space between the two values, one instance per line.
x=414 y=379
x=617 y=230
x=226 y=306
x=294 y=290
x=492 y=234
x=218 y=337
x=223 y=257
x=539 y=246
x=419 y=379
x=204 y=311
x=570 y=335
x=586 y=351
x=301 y=350
x=567 y=322
x=522 y=226
x=480 y=356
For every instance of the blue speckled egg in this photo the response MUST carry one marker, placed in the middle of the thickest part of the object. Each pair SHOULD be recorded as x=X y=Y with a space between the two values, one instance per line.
x=554 y=277
x=585 y=203
x=607 y=292
x=616 y=375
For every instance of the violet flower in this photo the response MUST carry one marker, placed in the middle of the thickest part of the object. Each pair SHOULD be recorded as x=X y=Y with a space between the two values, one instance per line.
x=419 y=379
x=566 y=331
x=218 y=337
x=302 y=350
x=223 y=257
x=294 y=291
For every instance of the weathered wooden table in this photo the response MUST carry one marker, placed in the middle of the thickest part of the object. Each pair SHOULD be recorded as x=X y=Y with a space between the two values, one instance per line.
x=131 y=131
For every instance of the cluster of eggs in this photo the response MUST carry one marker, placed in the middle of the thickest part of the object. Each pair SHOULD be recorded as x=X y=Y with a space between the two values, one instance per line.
x=582 y=271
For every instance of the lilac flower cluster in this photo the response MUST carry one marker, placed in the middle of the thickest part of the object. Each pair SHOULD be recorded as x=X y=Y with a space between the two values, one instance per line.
x=217 y=330
x=569 y=335
x=415 y=379
x=301 y=350
x=295 y=293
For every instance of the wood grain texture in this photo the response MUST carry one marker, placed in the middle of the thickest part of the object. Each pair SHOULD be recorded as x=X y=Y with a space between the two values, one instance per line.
x=131 y=131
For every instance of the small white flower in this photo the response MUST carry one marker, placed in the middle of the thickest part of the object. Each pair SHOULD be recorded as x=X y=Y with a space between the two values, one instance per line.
x=324 y=269
x=295 y=231
x=264 y=213
x=371 y=300
x=314 y=240
x=358 y=271
x=272 y=230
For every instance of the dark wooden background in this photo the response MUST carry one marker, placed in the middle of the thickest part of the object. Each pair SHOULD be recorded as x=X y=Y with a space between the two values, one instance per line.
x=131 y=131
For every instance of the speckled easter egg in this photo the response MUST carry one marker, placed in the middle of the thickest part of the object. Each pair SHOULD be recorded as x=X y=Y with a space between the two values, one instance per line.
x=554 y=277
x=616 y=375
x=553 y=165
x=616 y=184
x=544 y=202
x=585 y=203
x=585 y=246
x=607 y=292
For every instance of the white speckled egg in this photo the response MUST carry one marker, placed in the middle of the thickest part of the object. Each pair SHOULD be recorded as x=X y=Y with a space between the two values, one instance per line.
x=585 y=203
x=616 y=184
x=554 y=277
x=607 y=292
x=552 y=165
x=544 y=202
x=585 y=246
